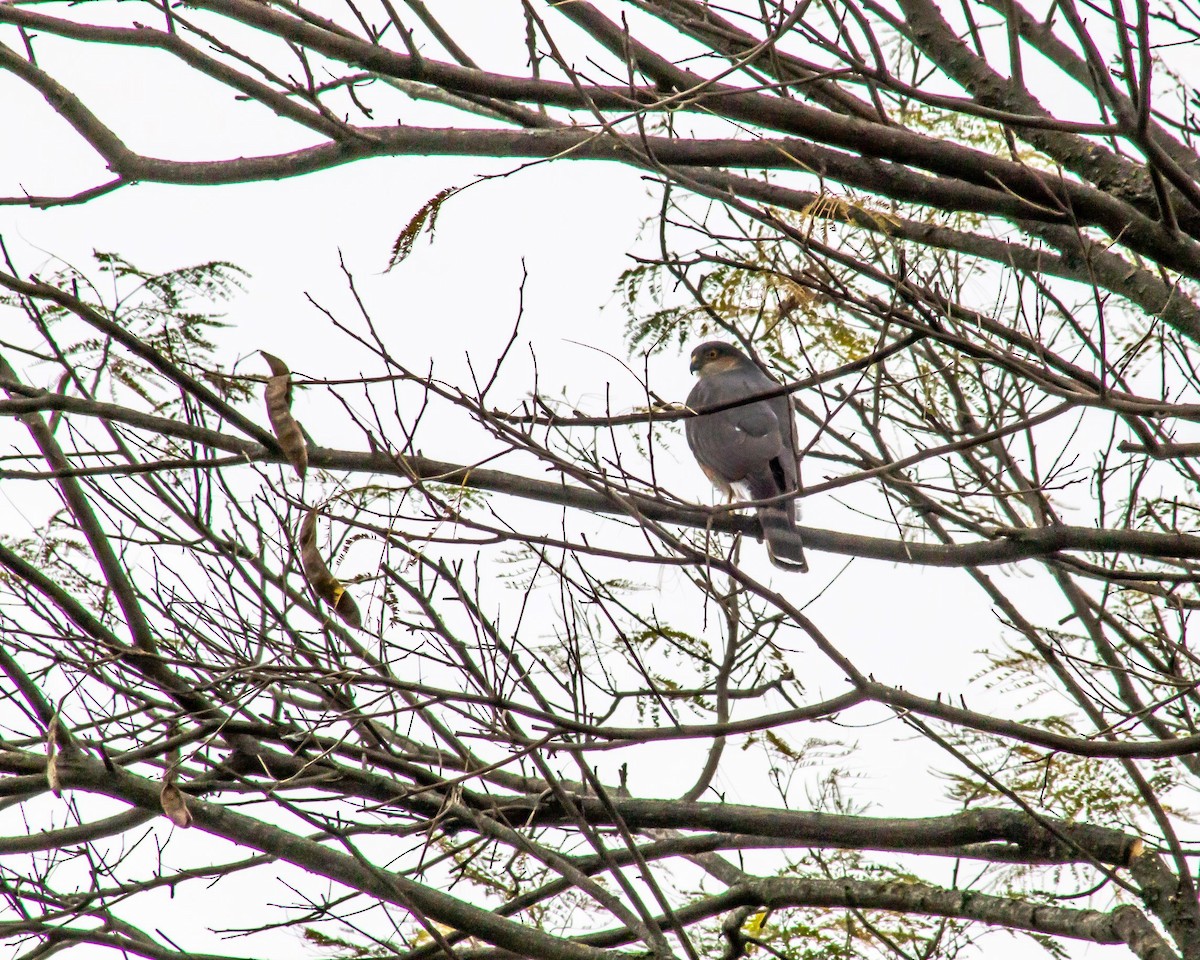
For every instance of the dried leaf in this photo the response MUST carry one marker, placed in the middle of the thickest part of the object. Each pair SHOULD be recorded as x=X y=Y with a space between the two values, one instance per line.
x=425 y=218
x=279 y=411
x=757 y=924
x=347 y=609
x=52 y=754
x=174 y=805
x=52 y=775
x=324 y=584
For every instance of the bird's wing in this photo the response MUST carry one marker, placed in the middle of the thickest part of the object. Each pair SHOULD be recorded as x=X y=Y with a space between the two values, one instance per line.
x=753 y=445
x=740 y=442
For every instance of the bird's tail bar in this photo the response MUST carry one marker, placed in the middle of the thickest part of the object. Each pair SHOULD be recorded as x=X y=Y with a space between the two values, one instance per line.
x=784 y=546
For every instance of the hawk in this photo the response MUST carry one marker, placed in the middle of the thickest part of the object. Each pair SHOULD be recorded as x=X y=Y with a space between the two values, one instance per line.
x=749 y=446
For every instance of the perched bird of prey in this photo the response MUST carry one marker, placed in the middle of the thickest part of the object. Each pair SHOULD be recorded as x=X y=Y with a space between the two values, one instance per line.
x=751 y=446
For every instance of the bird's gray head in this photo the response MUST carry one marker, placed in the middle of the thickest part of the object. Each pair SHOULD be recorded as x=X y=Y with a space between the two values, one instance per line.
x=716 y=356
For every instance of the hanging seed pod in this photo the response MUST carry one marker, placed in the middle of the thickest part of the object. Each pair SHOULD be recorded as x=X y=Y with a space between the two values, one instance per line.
x=52 y=754
x=170 y=797
x=174 y=805
x=324 y=584
x=279 y=411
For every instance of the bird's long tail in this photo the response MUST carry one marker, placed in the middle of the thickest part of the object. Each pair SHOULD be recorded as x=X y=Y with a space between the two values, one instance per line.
x=784 y=546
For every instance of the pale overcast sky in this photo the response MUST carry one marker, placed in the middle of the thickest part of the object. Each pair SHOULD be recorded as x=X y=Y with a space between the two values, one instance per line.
x=571 y=223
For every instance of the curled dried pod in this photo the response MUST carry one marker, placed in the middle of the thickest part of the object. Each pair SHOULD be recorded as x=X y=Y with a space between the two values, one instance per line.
x=324 y=584
x=174 y=804
x=53 y=751
x=279 y=411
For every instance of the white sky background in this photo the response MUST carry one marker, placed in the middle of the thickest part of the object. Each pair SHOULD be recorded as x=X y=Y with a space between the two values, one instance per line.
x=572 y=224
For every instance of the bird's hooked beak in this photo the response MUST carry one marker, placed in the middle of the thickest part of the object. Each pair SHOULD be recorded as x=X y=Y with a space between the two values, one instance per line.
x=696 y=364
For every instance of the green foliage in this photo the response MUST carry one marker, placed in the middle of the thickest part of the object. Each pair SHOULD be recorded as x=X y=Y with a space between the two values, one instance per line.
x=964 y=128
x=342 y=949
x=663 y=638
x=751 y=282
x=463 y=498
x=61 y=553
x=171 y=312
x=749 y=291
x=843 y=934
x=659 y=325
x=1083 y=789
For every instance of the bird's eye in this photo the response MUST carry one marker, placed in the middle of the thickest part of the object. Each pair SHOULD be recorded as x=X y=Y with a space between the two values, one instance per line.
x=711 y=354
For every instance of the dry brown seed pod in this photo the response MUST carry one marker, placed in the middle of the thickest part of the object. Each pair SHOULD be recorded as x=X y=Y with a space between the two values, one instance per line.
x=324 y=584
x=174 y=805
x=279 y=411
x=52 y=757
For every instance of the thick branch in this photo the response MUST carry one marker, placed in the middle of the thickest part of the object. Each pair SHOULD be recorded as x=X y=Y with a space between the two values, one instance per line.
x=1008 y=546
